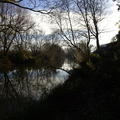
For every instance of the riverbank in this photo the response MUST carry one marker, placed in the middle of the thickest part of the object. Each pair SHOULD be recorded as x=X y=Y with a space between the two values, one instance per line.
x=89 y=93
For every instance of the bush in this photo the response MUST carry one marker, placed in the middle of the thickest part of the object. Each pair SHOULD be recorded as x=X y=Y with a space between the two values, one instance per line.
x=21 y=57
x=5 y=64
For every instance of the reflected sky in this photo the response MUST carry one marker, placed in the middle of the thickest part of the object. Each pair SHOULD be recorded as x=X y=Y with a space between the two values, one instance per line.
x=30 y=83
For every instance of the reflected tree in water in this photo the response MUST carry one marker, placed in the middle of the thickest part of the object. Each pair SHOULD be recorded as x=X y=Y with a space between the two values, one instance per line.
x=22 y=87
x=29 y=83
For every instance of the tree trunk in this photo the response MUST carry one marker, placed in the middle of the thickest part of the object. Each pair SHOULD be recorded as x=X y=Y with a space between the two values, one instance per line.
x=97 y=41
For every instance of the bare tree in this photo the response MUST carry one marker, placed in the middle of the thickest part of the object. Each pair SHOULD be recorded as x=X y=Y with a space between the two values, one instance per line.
x=90 y=14
x=66 y=19
x=84 y=13
x=96 y=9
x=14 y=24
x=63 y=19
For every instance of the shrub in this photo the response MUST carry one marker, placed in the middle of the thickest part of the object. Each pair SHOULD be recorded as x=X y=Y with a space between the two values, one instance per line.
x=5 y=63
x=21 y=57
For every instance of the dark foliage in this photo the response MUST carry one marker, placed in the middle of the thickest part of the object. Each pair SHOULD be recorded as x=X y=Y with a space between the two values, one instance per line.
x=51 y=56
x=88 y=94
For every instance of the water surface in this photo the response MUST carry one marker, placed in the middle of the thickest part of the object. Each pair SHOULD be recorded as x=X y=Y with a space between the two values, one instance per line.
x=30 y=83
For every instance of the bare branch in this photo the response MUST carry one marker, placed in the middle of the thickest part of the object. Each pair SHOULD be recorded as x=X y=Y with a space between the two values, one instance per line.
x=27 y=8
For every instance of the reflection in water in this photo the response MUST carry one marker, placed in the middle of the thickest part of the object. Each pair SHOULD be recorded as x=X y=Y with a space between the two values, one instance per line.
x=30 y=83
x=68 y=65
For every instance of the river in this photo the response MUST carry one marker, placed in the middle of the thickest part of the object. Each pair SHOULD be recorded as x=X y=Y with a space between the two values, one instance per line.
x=31 y=83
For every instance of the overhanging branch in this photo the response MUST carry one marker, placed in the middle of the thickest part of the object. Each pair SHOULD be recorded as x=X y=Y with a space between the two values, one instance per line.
x=27 y=8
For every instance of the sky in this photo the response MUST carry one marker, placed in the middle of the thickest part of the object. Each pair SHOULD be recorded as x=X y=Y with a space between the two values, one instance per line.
x=109 y=24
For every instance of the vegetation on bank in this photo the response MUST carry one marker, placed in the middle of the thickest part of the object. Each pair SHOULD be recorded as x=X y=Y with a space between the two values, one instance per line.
x=52 y=55
x=88 y=93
